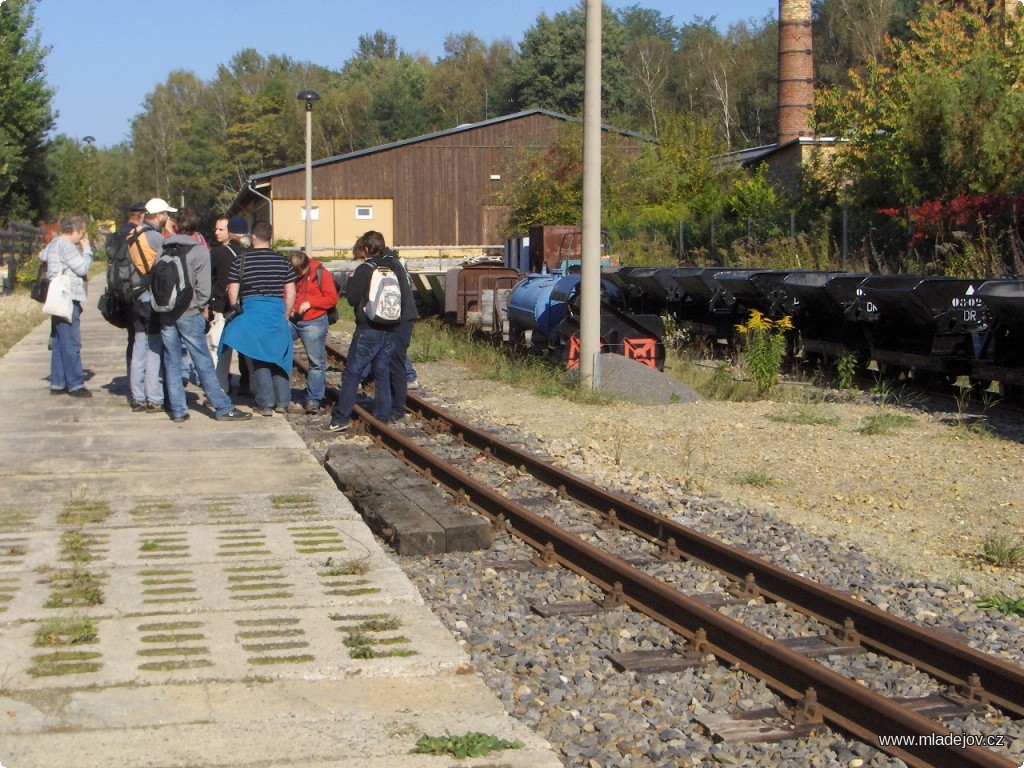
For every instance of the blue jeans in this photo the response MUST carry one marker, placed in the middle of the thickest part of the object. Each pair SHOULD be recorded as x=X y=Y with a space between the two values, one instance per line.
x=272 y=384
x=313 y=334
x=399 y=368
x=66 y=351
x=146 y=381
x=145 y=377
x=190 y=331
x=369 y=347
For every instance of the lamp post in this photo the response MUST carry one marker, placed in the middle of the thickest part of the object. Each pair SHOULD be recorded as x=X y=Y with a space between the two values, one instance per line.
x=88 y=141
x=309 y=97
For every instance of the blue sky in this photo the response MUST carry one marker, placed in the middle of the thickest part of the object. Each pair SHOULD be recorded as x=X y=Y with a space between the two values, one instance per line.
x=106 y=55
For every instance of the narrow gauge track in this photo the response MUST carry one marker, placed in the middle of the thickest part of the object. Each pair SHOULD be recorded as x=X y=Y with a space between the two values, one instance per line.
x=843 y=703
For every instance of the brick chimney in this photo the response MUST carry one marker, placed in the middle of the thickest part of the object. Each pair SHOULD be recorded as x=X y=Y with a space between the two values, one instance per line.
x=796 y=70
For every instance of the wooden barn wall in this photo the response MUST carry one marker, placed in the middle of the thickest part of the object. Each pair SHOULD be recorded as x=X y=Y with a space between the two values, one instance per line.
x=439 y=186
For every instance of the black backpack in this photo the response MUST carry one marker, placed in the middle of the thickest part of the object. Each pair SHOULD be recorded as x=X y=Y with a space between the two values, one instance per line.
x=124 y=283
x=169 y=287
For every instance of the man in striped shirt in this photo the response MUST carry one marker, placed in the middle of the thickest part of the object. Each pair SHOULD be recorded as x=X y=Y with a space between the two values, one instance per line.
x=265 y=288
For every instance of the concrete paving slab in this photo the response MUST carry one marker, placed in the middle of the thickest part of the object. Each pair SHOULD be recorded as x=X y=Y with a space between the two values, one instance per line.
x=201 y=594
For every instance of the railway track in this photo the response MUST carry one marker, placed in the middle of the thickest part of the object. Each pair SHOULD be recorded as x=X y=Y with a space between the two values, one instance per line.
x=815 y=692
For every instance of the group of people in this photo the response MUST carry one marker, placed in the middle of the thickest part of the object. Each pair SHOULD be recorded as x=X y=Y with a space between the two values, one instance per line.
x=247 y=298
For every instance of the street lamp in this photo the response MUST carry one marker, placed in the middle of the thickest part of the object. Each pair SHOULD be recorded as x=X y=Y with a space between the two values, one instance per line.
x=88 y=140
x=309 y=97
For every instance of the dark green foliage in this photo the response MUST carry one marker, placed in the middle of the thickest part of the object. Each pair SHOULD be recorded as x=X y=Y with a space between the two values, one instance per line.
x=25 y=113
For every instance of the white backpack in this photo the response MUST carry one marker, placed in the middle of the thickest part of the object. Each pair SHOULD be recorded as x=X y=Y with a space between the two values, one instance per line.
x=384 y=299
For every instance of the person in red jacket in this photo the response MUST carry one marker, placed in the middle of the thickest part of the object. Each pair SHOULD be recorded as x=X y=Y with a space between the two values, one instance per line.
x=315 y=296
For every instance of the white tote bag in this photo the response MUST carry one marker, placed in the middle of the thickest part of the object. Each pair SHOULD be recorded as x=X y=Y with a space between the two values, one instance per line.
x=58 y=297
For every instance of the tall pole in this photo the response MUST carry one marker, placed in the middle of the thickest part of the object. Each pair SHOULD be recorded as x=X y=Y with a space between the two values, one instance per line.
x=309 y=97
x=590 y=278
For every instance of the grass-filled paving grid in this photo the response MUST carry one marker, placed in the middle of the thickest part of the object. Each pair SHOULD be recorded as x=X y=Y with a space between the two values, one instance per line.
x=266 y=637
x=79 y=547
x=162 y=546
x=242 y=542
x=168 y=586
x=8 y=588
x=317 y=539
x=174 y=644
x=15 y=520
x=155 y=511
x=367 y=636
x=221 y=508
x=263 y=582
x=65 y=663
x=343 y=577
x=83 y=512
x=66 y=630
x=75 y=587
x=295 y=504
x=13 y=550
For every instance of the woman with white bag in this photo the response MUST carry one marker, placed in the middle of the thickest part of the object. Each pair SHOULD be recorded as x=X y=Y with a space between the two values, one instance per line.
x=68 y=254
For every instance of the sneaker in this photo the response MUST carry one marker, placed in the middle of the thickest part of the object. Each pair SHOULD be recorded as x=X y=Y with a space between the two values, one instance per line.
x=281 y=409
x=265 y=411
x=180 y=419
x=312 y=407
x=154 y=407
x=80 y=392
x=59 y=391
x=414 y=384
x=235 y=415
x=332 y=427
x=138 y=406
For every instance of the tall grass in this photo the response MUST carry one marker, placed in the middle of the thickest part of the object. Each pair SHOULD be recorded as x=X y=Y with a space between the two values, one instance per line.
x=434 y=341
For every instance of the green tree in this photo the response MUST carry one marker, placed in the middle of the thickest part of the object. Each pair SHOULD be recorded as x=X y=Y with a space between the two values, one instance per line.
x=650 y=48
x=754 y=196
x=549 y=72
x=464 y=85
x=939 y=115
x=25 y=113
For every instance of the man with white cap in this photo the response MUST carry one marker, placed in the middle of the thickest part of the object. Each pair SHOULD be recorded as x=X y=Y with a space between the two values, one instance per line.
x=145 y=379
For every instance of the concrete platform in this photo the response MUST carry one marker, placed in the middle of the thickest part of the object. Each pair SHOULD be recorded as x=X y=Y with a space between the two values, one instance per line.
x=232 y=607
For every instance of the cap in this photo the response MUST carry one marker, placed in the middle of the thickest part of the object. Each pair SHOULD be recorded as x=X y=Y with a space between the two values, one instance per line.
x=237 y=225
x=139 y=207
x=159 y=205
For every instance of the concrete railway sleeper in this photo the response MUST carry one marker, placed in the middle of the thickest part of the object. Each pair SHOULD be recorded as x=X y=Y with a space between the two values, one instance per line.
x=847 y=705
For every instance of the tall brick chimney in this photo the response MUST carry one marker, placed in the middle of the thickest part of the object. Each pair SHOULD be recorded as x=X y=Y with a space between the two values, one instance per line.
x=796 y=70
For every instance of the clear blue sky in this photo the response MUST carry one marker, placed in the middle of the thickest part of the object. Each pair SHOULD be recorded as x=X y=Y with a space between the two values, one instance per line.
x=106 y=55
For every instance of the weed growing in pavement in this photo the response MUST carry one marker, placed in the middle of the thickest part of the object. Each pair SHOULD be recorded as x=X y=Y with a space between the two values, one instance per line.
x=355 y=567
x=67 y=630
x=361 y=646
x=1002 y=550
x=1012 y=606
x=77 y=586
x=472 y=744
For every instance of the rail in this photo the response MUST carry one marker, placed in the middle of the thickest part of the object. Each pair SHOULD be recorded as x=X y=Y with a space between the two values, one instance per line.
x=844 y=703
